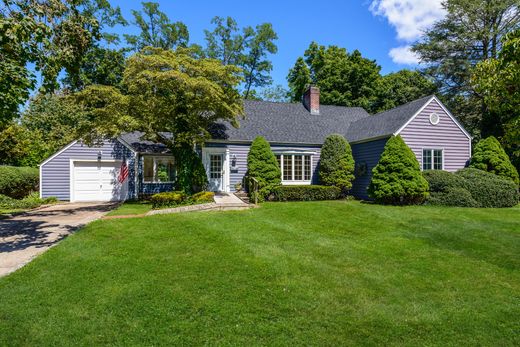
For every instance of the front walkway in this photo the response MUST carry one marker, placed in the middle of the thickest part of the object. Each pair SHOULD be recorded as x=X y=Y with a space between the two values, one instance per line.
x=25 y=236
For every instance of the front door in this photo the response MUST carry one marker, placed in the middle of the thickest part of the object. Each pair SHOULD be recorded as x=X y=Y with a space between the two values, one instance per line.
x=215 y=172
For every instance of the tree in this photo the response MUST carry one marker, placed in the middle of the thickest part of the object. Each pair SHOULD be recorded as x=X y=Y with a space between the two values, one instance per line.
x=21 y=147
x=498 y=82
x=262 y=166
x=51 y=36
x=397 y=178
x=470 y=33
x=248 y=49
x=489 y=156
x=344 y=79
x=400 y=87
x=99 y=66
x=275 y=94
x=157 y=30
x=336 y=163
x=164 y=91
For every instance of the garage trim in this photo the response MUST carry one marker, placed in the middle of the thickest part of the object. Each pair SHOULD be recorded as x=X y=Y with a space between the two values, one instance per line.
x=71 y=172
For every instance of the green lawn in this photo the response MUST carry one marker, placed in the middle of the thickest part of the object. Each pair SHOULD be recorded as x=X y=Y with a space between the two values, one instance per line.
x=310 y=273
x=131 y=208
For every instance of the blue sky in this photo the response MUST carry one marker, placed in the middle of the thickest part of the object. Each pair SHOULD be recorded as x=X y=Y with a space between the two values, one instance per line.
x=380 y=29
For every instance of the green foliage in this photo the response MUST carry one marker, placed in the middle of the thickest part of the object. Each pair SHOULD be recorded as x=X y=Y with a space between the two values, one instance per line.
x=247 y=49
x=306 y=193
x=32 y=200
x=469 y=33
x=18 y=182
x=448 y=189
x=262 y=166
x=345 y=79
x=276 y=93
x=191 y=175
x=49 y=35
x=397 y=178
x=498 y=81
x=488 y=189
x=201 y=197
x=336 y=163
x=400 y=87
x=168 y=199
x=489 y=156
x=156 y=29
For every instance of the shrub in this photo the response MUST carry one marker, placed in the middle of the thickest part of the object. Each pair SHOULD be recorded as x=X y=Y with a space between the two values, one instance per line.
x=31 y=201
x=441 y=181
x=488 y=189
x=203 y=197
x=191 y=175
x=489 y=156
x=167 y=199
x=263 y=166
x=397 y=178
x=18 y=182
x=336 y=163
x=453 y=196
x=306 y=193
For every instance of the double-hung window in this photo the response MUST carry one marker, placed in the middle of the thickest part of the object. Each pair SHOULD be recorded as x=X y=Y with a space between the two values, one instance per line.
x=432 y=159
x=158 y=169
x=295 y=167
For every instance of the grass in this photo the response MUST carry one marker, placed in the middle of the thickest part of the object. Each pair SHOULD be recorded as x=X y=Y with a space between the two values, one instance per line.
x=309 y=273
x=131 y=208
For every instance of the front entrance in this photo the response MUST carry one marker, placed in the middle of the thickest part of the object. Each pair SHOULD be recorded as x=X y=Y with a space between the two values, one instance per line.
x=215 y=163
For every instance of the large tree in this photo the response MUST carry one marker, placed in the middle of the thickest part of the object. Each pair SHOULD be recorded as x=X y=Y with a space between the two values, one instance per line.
x=165 y=91
x=247 y=48
x=346 y=79
x=45 y=36
x=470 y=33
x=498 y=82
x=156 y=29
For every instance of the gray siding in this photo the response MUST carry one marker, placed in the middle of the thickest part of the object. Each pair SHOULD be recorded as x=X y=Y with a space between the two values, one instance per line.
x=366 y=153
x=55 y=174
x=420 y=133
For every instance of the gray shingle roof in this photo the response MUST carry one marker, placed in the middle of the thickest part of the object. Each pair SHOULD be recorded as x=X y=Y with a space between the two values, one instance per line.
x=292 y=123
x=384 y=123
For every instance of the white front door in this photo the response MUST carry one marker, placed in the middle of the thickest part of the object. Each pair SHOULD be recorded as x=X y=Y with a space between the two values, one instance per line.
x=97 y=181
x=215 y=169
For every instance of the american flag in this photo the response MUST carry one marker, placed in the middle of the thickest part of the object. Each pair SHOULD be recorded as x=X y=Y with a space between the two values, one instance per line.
x=123 y=172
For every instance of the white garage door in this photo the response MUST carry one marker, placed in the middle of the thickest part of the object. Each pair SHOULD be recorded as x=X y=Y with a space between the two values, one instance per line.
x=97 y=181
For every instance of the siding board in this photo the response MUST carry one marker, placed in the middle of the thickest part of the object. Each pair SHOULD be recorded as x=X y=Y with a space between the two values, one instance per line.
x=367 y=153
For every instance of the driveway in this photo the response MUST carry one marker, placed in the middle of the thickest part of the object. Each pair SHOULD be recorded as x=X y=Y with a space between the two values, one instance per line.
x=25 y=236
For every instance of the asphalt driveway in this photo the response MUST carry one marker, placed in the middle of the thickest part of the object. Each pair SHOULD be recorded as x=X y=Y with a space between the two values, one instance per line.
x=25 y=236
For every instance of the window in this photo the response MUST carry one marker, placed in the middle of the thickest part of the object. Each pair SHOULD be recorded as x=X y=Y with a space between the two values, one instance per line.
x=158 y=169
x=295 y=167
x=432 y=159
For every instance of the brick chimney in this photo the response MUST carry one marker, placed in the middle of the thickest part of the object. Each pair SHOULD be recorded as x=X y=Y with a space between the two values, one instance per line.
x=311 y=100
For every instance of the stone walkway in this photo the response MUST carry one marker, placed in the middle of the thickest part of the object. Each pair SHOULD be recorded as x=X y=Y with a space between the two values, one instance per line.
x=25 y=236
x=223 y=202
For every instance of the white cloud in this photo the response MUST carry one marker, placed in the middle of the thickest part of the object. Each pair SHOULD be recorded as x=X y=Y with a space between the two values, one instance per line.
x=409 y=18
x=403 y=55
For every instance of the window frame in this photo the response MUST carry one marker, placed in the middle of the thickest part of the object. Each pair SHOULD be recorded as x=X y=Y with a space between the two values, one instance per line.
x=155 y=159
x=432 y=158
x=281 y=164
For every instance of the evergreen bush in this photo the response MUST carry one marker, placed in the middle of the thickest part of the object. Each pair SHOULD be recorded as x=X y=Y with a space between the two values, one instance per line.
x=397 y=178
x=336 y=163
x=306 y=193
x=262 y=166
x=489 y=156
x=18 y=182
x=191 y=175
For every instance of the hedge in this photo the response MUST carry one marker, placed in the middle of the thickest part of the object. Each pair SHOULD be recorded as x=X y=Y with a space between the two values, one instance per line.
x=18 y=182
x=336 y=163
x=489 y=190
x=306 y=193
x=178 y=198
x=31 y=201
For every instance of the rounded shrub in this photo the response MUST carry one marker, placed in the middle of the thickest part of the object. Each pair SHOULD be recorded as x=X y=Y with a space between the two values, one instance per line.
x=203 y=197
x=167 y=199
x=489 y=156
x=453 y=196
x=397 y=178
x=440 y=180
x=18 y=182
x=191 y=175
x=488 y=189
x=336 y=163
x=262 y=166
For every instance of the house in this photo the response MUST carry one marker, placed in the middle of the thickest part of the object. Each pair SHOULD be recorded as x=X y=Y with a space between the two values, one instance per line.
x=295 y=131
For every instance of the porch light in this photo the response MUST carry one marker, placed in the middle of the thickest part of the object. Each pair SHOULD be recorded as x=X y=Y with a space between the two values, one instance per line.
x=233 y=161
x=99 y=155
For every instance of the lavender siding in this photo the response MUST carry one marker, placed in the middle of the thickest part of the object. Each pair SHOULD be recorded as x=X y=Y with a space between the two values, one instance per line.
x=446 y=135
x=55 y=174
x=367 y=154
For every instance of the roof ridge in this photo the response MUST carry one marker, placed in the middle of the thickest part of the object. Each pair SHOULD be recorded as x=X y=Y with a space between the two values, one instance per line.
x=427 y=97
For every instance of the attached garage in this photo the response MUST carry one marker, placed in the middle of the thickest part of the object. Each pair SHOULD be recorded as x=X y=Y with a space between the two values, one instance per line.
x=89 y=173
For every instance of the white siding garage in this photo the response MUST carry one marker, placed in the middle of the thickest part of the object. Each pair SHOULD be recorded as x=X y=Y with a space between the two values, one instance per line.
x=97 y=181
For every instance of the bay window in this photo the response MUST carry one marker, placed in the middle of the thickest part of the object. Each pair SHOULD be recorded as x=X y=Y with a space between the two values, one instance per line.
x=295 y=167
x=158 y=169
x=432 y=159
